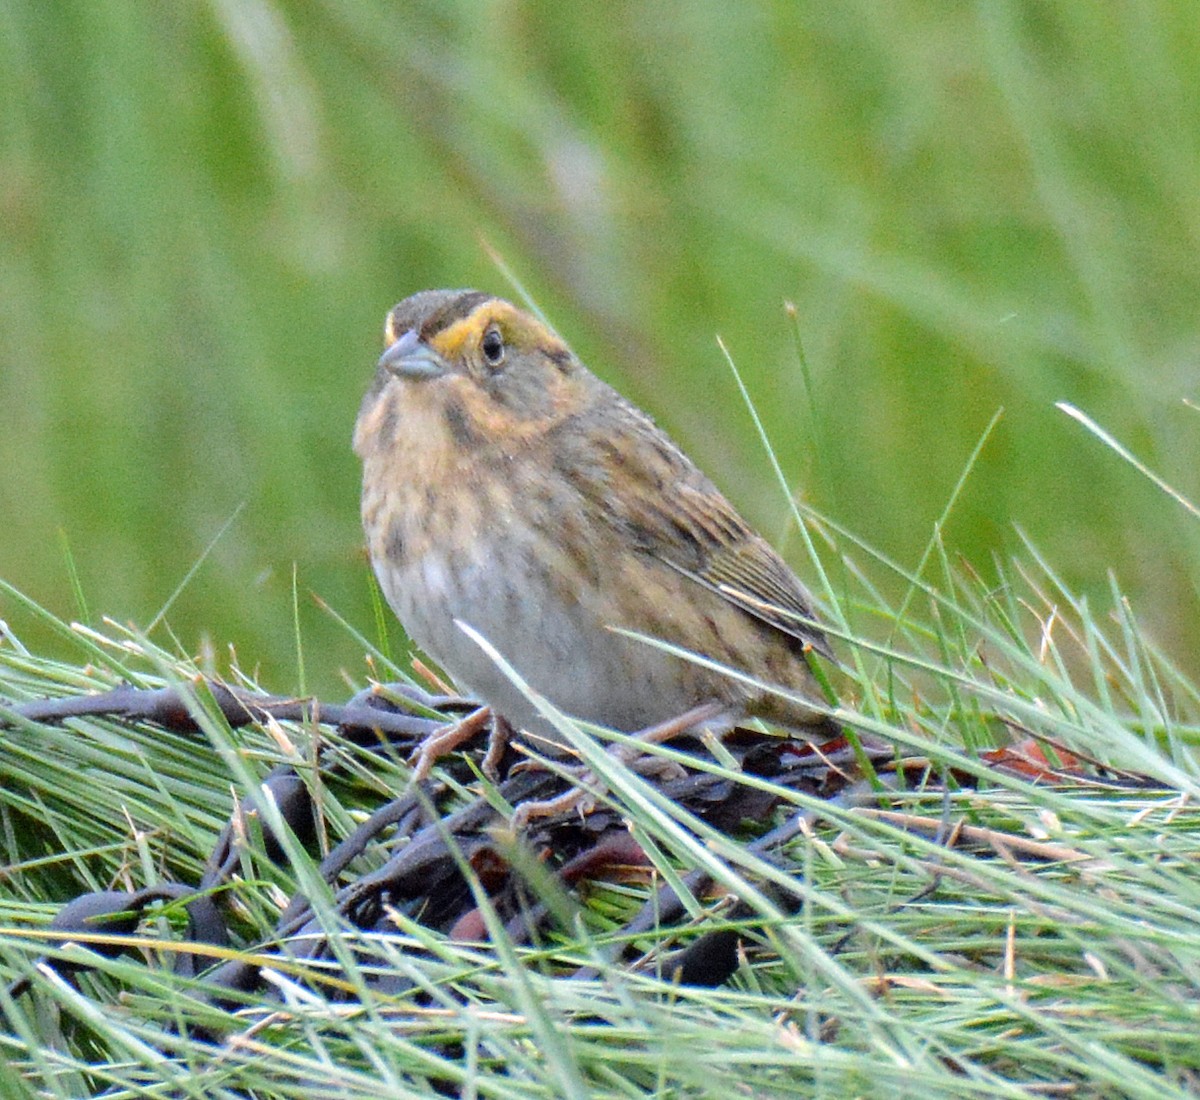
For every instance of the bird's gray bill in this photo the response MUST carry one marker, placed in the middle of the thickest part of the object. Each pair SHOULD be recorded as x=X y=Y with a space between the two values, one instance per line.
x=410 y=358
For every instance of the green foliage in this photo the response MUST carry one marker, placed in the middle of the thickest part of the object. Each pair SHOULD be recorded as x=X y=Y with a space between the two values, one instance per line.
x=208 y=208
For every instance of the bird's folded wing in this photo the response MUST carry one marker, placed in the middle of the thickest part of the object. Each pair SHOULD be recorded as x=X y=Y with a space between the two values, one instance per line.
x=647 y=487
x=739 y=565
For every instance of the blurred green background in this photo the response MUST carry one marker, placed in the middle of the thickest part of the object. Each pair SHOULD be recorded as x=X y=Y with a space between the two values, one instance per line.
x=207 y=208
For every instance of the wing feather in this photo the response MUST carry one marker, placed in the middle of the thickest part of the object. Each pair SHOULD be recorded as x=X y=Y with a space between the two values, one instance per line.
x=639 y=481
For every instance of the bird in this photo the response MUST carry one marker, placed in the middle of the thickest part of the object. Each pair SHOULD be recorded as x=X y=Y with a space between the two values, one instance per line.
x=510 y=493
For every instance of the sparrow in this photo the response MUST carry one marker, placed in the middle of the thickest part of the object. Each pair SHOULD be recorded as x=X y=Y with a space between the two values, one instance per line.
x=507 y=488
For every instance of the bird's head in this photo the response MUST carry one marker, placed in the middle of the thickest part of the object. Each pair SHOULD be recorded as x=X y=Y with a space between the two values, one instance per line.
x=484 y=370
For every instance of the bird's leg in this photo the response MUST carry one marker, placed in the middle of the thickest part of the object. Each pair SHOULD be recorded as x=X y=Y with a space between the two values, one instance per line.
x=701 y=717
x=583 y=796
x=499 y=738
x=447 y=739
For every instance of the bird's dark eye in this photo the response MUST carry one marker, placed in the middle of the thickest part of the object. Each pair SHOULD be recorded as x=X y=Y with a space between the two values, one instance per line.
x=493 y=346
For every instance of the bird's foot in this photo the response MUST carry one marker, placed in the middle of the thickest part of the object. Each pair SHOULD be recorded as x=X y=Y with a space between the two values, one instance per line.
x=449 y=738
x=589 y=787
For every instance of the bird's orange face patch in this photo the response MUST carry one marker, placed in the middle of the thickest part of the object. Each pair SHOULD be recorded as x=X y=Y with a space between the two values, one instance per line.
x=459 y=342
